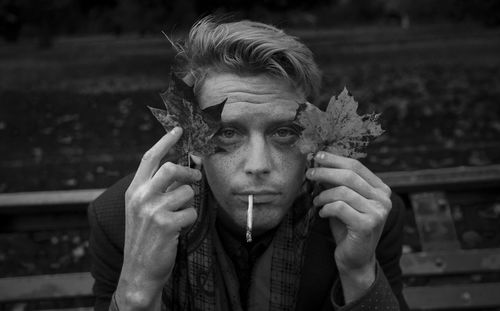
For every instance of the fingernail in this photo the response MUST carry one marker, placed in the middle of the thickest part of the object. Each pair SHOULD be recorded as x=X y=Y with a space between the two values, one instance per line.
x=320 y=213
x=172 y=132
x=320 y=155
x=311 y=172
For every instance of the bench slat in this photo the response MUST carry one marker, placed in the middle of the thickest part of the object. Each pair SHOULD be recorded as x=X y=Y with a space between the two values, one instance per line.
x=451 y=262
x=397 y=180
x=46 y=286
x=418 y=298
x=441 y=177
x=454 y=297
x=39 y=198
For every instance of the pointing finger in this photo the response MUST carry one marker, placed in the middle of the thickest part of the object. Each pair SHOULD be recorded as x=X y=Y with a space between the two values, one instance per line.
x=152 y=158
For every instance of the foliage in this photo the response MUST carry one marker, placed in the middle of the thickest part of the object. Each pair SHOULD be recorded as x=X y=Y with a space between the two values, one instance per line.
x=199 y=126
x=339 y=129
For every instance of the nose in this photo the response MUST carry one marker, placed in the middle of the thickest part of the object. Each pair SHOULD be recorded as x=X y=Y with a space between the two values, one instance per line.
x=258 y=157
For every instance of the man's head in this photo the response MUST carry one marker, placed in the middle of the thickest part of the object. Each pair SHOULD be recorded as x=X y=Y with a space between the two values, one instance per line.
x=247 y=48
x=263 y=74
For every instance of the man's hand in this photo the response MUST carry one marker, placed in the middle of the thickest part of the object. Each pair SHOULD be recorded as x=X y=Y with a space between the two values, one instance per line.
x=157 y=207
x=357 y=203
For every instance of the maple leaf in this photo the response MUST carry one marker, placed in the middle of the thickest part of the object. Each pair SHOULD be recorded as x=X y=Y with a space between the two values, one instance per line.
x=199 y=126
x=338 y=130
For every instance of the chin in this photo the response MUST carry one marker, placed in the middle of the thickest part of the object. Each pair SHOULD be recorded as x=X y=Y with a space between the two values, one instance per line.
x=265 y=219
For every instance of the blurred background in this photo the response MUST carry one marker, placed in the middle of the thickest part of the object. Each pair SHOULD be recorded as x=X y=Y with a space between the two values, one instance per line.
x=76 y=77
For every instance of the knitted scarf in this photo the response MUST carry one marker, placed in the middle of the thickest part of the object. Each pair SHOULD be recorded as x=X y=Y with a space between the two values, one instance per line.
x=193 y=284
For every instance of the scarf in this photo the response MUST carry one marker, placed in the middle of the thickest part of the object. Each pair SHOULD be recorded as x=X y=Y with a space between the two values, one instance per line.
x=195 y=282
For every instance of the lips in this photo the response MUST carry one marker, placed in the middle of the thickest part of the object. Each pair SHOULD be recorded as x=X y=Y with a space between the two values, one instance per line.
x=259 y=197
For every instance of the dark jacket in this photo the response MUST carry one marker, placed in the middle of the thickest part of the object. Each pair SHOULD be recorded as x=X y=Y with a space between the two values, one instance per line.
x=319 y=275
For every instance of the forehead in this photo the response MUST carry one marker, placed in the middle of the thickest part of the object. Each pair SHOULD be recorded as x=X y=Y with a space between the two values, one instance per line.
x=256 y=97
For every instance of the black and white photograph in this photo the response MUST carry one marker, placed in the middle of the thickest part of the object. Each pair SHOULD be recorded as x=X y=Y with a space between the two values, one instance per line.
x=229 y=155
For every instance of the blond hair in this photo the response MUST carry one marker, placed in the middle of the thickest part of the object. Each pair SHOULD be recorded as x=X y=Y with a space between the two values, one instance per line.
x=247 y=47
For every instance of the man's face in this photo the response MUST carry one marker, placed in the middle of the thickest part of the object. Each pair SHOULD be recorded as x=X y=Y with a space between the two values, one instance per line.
x=256 y=154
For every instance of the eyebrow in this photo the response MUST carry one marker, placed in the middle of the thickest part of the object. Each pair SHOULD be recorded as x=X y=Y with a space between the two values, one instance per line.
x=272 y=123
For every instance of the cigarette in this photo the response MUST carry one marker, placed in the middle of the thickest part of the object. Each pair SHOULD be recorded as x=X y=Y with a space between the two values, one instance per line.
x=249 y=218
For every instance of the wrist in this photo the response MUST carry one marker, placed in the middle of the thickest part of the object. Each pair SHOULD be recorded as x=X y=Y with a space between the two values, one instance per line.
x=137 y=295
x=356 y=282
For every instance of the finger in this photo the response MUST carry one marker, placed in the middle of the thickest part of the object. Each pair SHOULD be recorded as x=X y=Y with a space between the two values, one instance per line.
x=169 y=173
x=335 y=161
x=344 y=194
x=152 y=158
x=186 y=217
x=177 y=220
x=344 y=212
x=173 y=186
x=347 y=178
x=178 y=199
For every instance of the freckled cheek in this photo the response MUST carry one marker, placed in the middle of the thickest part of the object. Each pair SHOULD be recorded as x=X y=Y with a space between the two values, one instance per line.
x=289 y=159
x=220 y=169
x=291 y=166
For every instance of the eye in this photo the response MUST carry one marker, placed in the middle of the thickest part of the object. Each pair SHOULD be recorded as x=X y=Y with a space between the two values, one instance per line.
x=227 y=133
x=284 y=132
x=285 y=135
x=228 y=136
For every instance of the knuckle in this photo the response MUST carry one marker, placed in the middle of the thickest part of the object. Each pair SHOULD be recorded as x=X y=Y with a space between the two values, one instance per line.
x=354 y=164
x=164 y=220
x=387 y=190
x=187 y=191
x=168 y=168
x=340 y=206
x=351 y=177
x=371 y=223
x=383 y=199
x=156 y=217
x=380 y=216
x=148 y=155
x=387 y=204
x=146 y=212
x=134 y=199
x=377 y=219
x=342 y=190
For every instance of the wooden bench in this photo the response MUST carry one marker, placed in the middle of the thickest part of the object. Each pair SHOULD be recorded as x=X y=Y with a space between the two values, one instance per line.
x=425 y=190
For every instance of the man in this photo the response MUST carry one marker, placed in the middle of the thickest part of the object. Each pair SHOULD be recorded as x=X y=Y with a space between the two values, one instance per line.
x=173 y=237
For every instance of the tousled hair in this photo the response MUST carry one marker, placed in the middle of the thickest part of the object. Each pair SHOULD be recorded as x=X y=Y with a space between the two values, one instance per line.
x=247 y=47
